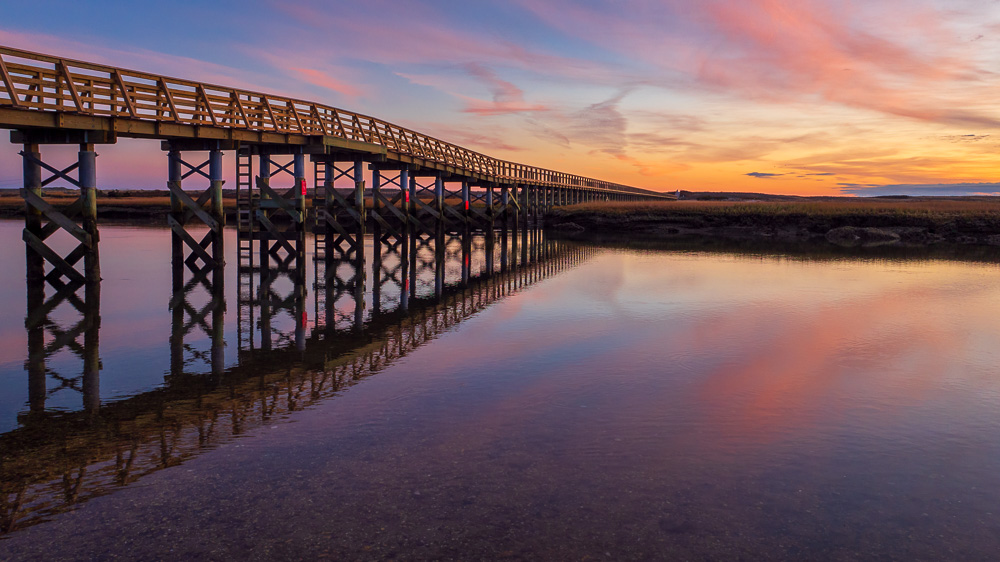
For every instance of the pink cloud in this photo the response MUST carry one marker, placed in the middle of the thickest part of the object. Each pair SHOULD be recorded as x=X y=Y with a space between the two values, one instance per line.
x=429 y=40
x=323 y=80
x=897 y=58
x=777 y=50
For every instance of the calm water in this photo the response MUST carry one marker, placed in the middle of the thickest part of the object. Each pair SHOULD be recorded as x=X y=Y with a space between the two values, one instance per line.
x=585 y=403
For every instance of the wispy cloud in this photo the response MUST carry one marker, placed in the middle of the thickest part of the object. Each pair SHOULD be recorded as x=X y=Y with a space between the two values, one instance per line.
x=507 y=98
x=763 y=175
x=857 y=54
x=124 y=56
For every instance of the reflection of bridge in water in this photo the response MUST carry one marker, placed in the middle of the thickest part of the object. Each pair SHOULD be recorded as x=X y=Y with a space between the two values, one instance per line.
x=420 y=286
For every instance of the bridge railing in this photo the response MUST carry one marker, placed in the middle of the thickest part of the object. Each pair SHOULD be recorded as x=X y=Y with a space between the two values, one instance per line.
x=33 y=81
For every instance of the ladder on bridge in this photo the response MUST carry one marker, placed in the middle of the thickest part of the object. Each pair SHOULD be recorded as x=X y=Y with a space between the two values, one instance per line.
x=245 y=207
x=319 y=208
x=245 y=219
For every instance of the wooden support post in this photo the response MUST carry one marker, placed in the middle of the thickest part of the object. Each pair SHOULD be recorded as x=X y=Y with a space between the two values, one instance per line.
x=265 y=237
x=525 y=207
x=466 y=202
x=406 y=190
x=412 y=187
x=176 y=211
x=376 y=191
x=439 y=197
x=217 y=212
x=88 y=200
x=505 y=205
x=359 y=198
x=329 y=236
x=300 y=188
x=32 y=169
x=490 y=211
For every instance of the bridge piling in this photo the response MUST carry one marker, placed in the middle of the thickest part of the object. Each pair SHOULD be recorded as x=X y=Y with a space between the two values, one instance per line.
x=208 y=253
x=79 y=220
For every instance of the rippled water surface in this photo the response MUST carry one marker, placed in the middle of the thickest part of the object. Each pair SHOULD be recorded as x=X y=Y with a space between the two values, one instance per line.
x=584 y=402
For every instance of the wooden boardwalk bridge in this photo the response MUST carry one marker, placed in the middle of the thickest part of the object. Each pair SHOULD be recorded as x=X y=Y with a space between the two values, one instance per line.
x=420 y=187
x=405 y=208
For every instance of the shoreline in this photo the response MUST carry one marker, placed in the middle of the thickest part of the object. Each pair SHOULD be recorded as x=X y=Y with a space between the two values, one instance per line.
x=851 y=223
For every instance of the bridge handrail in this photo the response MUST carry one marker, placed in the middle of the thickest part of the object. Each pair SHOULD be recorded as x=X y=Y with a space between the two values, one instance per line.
x=99 y=90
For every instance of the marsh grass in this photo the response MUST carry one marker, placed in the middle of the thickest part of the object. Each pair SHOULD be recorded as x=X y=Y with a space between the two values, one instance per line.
x=917 y=208
x=952 y=219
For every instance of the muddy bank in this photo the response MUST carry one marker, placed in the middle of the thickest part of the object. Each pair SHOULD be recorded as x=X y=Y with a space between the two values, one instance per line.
x=847 y=226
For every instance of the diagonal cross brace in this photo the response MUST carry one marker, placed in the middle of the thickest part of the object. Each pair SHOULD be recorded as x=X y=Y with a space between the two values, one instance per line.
x=58 y=218
x=52 y=257
x=193 y=206
x=264 y=186
x=195 y=169
x=196 y=247
x=278 y=235
x=56 y=174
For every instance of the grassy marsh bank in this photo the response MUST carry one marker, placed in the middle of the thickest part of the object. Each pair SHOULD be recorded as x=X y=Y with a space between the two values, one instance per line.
x=849 y=222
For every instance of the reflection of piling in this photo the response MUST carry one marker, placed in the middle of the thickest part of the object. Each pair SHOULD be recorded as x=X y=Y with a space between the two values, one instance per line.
x=490 y=252
x=404 y=267
x=36 y=344
x=376 y=267
x=503 y=250
x=466 y=255
x=439 y=253
x=91 y=348
x=293 y=374
x=359 y=284
x=210 y=319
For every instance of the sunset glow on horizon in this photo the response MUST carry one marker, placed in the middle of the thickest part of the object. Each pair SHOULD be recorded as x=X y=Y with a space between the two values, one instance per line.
x=805 y=97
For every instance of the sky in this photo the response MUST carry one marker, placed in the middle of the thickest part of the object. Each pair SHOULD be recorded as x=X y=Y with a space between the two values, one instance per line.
x=806 y=97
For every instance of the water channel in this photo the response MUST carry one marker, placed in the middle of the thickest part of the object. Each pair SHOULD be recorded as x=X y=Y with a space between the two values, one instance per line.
x=539 y=398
